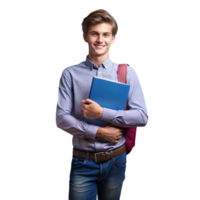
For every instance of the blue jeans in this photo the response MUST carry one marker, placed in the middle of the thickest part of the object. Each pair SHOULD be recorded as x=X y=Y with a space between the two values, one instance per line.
x=89 y=178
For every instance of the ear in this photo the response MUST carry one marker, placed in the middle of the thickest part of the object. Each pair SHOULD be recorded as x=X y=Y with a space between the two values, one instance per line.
x=83 y=37
x=114 y=39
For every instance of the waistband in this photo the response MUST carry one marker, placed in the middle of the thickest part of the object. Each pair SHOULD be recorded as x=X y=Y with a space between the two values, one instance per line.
x=100 y=156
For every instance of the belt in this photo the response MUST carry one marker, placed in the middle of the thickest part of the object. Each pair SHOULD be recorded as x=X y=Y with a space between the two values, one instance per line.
x=99 y=156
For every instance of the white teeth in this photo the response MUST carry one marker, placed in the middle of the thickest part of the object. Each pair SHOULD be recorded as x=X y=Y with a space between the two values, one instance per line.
x=99 y=46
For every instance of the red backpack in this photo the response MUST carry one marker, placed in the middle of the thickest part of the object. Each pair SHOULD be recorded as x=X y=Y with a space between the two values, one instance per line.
x=129 y=133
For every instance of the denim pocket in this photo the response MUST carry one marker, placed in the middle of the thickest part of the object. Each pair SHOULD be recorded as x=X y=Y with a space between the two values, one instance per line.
x=120 y=160
x=78 y=161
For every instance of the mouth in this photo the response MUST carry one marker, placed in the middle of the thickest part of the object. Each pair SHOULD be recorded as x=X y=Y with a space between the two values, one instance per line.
x=99 y=46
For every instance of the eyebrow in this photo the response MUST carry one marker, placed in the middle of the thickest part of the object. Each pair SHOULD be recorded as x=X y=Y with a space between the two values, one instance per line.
x=98 y=33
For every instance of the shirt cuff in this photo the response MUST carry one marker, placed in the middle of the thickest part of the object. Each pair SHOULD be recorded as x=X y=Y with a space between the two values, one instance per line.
x=91 y=131
x=108 y=114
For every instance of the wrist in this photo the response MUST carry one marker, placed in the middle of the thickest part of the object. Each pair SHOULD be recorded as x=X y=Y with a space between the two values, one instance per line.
x=101 y=114
x=100 y=132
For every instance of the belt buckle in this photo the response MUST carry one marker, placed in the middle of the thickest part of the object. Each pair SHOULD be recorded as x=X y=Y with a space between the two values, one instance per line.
x=95 y=156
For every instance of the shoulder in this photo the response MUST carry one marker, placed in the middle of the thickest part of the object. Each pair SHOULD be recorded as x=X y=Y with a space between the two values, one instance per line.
x=132 y=77
x=70 y=70
x=130 y=69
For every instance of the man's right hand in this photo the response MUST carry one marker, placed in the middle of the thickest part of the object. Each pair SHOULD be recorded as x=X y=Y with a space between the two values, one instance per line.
x=110 y=133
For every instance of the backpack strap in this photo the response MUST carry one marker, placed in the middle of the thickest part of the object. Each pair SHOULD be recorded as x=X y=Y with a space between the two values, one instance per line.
x=121 y=74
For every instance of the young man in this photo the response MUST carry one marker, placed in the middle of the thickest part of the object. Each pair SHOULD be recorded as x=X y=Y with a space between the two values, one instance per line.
x=93 y=172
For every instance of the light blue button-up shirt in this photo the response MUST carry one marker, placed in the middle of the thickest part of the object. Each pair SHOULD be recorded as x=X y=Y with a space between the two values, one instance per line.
x=74 y=86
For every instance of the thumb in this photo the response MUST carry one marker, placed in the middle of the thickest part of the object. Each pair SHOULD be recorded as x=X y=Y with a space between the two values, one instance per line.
x=87 y=100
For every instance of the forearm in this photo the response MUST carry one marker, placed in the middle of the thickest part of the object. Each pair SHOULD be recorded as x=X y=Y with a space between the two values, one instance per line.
x=76 y=127
x=125 y=118
x=100 y=132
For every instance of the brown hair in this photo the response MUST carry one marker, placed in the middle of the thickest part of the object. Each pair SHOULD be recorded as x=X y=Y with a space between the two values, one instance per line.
x=97 y=17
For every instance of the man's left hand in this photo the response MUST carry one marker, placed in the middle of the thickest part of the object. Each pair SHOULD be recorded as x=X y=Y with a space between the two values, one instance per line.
x=91 y=109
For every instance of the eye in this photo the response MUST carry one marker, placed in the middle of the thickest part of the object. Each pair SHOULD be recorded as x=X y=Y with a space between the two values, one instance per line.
x=93 y=33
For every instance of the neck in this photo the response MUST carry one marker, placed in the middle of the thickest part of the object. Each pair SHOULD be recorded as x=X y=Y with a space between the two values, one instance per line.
x=98 y=60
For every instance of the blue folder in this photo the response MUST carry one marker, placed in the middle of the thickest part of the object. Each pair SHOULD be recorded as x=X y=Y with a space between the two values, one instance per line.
x=108 y=94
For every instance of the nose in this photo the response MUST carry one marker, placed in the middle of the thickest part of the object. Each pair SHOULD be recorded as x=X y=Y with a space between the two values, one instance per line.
x=100 y=38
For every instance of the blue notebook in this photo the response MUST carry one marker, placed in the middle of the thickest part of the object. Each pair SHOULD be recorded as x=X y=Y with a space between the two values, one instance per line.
x=108 y=94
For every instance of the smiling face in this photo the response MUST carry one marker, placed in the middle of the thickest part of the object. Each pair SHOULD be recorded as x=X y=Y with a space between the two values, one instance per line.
x=99 y=39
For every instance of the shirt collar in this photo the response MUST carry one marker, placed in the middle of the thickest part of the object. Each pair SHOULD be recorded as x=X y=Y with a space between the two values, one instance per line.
x=90 y=64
